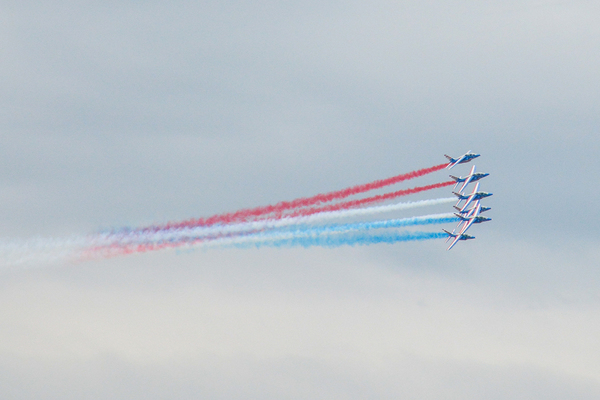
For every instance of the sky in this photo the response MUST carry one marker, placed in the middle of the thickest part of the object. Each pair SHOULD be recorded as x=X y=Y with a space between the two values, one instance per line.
x=130 y=113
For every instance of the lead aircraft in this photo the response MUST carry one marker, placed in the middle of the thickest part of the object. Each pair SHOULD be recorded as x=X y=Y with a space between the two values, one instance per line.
x=457 y=237
x=465 y=158
x=472 y=177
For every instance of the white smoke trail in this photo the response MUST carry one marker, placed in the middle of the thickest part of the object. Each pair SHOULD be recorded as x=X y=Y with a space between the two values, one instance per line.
x=42 y=250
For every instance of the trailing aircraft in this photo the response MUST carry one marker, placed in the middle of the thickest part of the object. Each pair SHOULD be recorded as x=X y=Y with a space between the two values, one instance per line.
x=472 y=177
x=467 y=212
x=457 y=237
x=472 y=217
x=475 y=195
x=465 y=158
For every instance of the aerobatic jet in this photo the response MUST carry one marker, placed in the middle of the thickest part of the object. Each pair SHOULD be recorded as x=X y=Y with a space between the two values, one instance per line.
x=465 y=158
x=470 y=211
x=476 y=195
x=472 y=217
x=472 y=177
x=457 y=237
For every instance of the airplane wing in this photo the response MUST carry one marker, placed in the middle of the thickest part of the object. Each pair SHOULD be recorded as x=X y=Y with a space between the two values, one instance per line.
x=460 y=196
x=449 y=235
x=471 y=216
x=466 y=226
x=467 y=202
x=456 y=162
x=475 y=210
x=456 y=239
x=468 y=180
x=464 y=185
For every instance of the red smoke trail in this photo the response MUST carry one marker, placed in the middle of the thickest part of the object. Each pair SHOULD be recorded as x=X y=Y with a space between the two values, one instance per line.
x=367 y=200
x=116 y=249
x=245 y=214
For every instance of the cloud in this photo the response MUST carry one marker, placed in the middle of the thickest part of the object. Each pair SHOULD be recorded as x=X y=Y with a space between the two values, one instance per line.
x=286 y=323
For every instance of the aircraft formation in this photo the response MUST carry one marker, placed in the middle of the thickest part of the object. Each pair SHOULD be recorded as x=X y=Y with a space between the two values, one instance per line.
x=339 y=218
x=469 y=212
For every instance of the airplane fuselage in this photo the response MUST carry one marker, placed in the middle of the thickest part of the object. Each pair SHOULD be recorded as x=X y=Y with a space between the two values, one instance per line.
x=457 y=237
x=483 y=209
x=475 y=177
x=476 y=220
x=465 y=158
x=473 y=197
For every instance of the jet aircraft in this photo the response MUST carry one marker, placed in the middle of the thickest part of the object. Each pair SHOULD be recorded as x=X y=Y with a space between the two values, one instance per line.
x=457 y=237
x=476 y=195
x=465 y=158
x=472 y=177
x=471 y=218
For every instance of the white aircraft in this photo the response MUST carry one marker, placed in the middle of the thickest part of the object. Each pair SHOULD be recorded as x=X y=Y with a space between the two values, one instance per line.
x=472 y=177
x=472 y=217
x=457 y=237
x=475 y=195
x=465 y=158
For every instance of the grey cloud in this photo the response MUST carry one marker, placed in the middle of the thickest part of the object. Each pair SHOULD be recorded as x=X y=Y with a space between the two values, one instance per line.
x=291 y=377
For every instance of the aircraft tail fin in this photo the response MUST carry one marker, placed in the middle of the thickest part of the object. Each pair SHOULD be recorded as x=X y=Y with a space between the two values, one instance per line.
x=454 y=178
x=449 y=158
x=462 y=218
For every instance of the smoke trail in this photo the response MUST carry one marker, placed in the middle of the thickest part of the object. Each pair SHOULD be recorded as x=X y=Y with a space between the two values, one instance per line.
x=51 y=250
x=131 y=236
x=245 y=214
x=279 y=234
x=358 y=238
x=368 y=200
x=44 y=250
x=79 y=248
x=306 y=231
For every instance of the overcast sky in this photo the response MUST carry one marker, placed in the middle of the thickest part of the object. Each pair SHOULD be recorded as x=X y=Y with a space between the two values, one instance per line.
x=126 y=113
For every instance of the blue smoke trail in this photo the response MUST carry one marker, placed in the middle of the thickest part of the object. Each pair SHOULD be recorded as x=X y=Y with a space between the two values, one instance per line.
x=127 y=235
x=289 y=233
x=389 y=223
x=359 y=238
